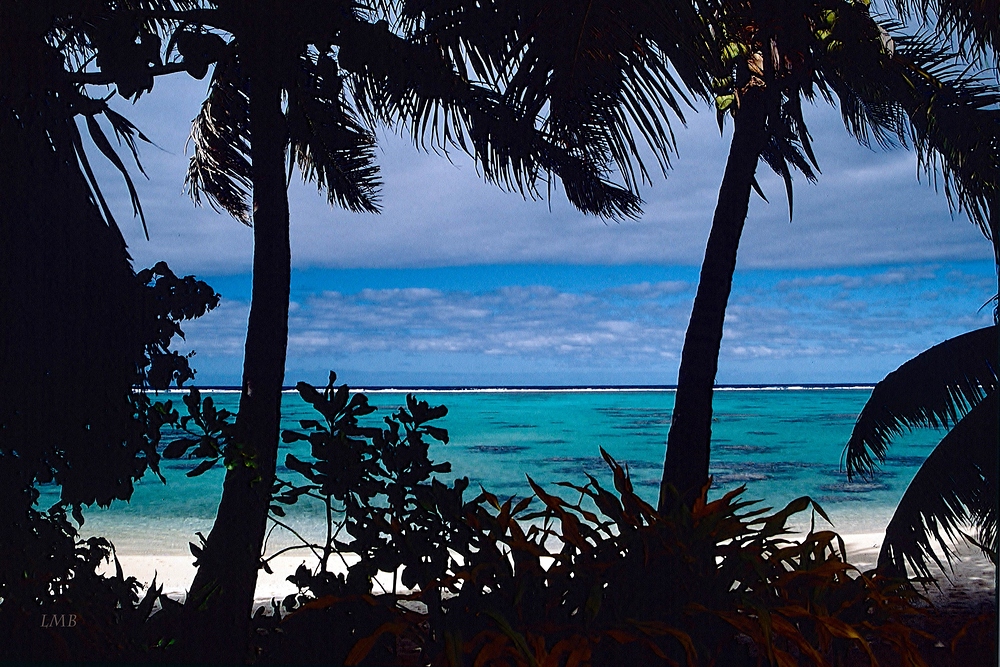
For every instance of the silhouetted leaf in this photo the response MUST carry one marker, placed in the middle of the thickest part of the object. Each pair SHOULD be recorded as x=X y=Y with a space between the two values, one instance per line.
x=177 y=448
x=956 y=484
x=935 y=388
x=202 y=467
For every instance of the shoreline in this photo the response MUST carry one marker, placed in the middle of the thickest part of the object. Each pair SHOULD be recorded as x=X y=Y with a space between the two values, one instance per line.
x=970 y=579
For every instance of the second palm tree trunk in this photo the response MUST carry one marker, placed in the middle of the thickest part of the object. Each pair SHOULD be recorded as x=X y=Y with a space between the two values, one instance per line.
x=227 y=576
x=685 y=466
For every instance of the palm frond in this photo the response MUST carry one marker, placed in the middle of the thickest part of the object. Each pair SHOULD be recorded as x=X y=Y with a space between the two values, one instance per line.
x=476 y=35
x=955 y=120
x=585 y=61
x=414 y=86
x=973 y=24
x=916 y=90
x=71 y=131
x=955 y=485
x=101 y=141
x=938 y=387
x=587 y=89
x=857 y=74
x=623 y=69
x=788 y=145
x=327 y=142
x=220 y=164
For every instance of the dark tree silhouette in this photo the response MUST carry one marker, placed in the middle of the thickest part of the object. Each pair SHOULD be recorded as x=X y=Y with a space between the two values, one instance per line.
x=79 y=328
x=81 y=333
x=907 y=90
x=343 y=71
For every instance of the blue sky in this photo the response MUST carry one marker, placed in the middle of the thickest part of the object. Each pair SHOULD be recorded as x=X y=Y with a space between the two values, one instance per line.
x=457 y=282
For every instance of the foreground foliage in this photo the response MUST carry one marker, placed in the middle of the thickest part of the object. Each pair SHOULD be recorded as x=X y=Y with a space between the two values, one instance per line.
x=411 y=572
x=542 y=580
x=46 y=569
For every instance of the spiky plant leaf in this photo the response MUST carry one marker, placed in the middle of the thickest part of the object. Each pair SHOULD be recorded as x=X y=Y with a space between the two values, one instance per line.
x=938 y=387
x=957 y=484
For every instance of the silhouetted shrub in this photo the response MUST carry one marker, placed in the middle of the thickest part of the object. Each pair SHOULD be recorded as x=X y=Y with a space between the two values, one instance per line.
x=54 y=606
x=602 y=580
x=94 y=452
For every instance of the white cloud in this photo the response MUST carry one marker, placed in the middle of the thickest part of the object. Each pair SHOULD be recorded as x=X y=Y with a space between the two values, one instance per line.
x=869 y=321
x=893 y=276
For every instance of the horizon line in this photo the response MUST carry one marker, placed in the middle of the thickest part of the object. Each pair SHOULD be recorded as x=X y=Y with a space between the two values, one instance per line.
x=594 y=387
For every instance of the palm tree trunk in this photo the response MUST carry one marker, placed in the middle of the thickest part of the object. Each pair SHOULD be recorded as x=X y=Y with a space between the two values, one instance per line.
x=685 y=466
x=227 y=577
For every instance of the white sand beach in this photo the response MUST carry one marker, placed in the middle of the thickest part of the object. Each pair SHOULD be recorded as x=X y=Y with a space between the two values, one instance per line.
x=971 y=577
x=176 y=572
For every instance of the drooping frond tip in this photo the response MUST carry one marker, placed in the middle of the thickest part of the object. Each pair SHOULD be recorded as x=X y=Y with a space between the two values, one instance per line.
x=220 y=164
x=936 y=388
x=955 y=486
x=326 y=139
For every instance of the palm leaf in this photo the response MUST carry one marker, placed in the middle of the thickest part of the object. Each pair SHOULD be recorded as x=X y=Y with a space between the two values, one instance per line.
x=974 y=25
x=413 y=86
x=220 y=164
x=936 y=388
x=588 y=61
x=955 y=121
x=857 y=73
x=899 y=89
x=955 y=485
x=616 y=70
x=327 y=142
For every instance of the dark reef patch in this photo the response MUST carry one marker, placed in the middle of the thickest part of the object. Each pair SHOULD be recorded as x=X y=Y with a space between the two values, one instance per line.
x=855 y=487
x=747 y=449
x=761 y=469
x=909 y=461
x=498 y=449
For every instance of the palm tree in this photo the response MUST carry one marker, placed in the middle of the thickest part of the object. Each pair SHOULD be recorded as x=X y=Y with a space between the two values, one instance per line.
x=309 y=82
x=905 y=90
x=951 y=385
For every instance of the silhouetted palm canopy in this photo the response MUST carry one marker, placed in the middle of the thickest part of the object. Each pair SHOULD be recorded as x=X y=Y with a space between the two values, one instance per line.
x=952 y=385
x=975 y=26
x=531 y=90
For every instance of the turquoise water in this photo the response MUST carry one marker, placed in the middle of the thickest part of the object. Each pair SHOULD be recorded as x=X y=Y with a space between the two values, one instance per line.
x=781 y=442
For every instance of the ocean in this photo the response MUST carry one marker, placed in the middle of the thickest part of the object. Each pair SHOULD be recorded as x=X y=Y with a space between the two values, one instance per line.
x=781 y=442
